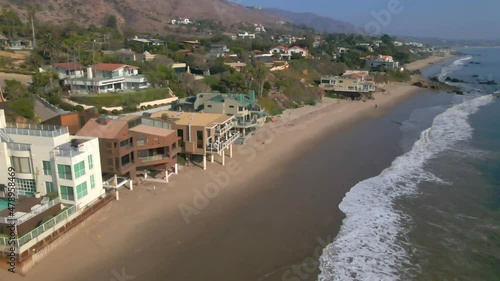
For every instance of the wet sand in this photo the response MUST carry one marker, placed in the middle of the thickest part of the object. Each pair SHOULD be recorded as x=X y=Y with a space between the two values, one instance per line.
x=265 y=215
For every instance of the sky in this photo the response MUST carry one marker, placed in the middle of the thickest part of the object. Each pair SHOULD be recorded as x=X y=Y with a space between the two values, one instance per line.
x=447 y=19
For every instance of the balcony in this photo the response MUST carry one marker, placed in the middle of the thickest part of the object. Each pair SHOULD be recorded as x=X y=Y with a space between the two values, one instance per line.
x=222 y=143
x=69 y=153
x=152 y=158
x=255 y=108
x=223 y=129
x=19 y=146
x=36 y=130
x=27 y=208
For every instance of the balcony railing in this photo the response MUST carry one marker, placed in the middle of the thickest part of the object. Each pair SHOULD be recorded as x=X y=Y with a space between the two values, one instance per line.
x=224 y=128
x=67 y=153
x=38 y=130
x=152 y=158
x=19 y=146
x=223 y=143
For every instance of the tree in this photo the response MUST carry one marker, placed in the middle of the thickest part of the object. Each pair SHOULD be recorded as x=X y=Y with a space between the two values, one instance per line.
x=24 y=107
x=50 y=45
x=260 y=76
x=14 y=90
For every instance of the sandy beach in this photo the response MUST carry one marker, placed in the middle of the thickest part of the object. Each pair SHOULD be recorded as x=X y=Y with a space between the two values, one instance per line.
x=203 y=224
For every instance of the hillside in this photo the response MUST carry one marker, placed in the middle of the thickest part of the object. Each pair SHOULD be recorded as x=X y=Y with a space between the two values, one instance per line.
x=319 y=23
x=139 y=15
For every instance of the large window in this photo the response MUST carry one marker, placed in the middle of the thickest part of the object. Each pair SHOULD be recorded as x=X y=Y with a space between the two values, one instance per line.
x=49 y=187
x=79 y=169
x=64 y=172
x=67 y=193
x=81 y=190
x=91 y=162
x=21 y=165
x=92 y=181
x=47 y=168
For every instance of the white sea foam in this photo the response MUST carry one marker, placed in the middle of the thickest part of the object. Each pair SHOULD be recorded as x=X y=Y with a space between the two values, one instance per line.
x=367 y=246
x=456 y=65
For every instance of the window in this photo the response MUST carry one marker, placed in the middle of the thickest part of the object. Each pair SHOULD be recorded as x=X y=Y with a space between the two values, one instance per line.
x=21 y=165
x=209 y=105
x=79 y=169
x=91 y=162
x=199 y=139
x=49 y=186
x=47 y=168
x=81 y=190
x=240 y=108
x=231 y=106
x=64 y=172
x=92 y=181
x=67 y=193
x=123 y=143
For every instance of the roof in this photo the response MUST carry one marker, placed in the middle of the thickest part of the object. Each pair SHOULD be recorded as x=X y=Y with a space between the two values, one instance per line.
x=111 y=66
x=300 y=48
x=106 y=131
x=2 y=37
x=193 y=119
x=149 y=130
x=126 y=52
x=236 y=64
x=179 y=65
x=69 y=66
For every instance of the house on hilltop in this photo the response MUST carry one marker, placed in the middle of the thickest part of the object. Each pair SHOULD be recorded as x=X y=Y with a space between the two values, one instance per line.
x=382 y=62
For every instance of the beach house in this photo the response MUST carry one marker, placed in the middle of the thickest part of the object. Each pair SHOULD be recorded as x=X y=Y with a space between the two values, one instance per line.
x=202 y=134
x=352 y=83
x=69 y=70
x=248 y=114
x=108 y=77
x=132 y=145
x=381 y=62
x=47 y=160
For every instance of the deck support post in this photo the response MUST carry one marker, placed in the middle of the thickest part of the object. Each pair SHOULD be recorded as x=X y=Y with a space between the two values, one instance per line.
x=204 y=161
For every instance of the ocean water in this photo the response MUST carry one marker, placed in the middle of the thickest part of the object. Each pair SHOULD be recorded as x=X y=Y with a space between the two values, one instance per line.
x=434 y=214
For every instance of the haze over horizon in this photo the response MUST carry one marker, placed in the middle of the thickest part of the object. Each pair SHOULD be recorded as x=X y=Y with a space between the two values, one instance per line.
x=447 y=19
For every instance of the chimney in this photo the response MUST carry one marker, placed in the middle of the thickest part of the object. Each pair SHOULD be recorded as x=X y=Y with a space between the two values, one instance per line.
x=90 y=73
x=251 y=95
x=103 y=120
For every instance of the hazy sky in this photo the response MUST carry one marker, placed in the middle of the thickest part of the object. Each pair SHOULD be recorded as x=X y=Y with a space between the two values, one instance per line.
x=456 y=19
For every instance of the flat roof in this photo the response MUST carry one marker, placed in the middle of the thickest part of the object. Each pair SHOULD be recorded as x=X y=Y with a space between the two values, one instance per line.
x=149 y=130
x=193 y=118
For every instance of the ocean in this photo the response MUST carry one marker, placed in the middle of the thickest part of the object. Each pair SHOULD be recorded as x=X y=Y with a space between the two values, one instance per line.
x=434 y=214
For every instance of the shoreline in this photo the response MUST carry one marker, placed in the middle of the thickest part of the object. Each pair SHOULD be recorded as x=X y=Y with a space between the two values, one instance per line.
x=152 y=218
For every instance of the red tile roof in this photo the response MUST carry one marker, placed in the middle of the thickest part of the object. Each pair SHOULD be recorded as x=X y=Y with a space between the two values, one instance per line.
x=111 y=66
x=70 y=66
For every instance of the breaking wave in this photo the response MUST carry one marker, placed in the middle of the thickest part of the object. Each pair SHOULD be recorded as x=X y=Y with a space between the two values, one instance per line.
x=370 y=243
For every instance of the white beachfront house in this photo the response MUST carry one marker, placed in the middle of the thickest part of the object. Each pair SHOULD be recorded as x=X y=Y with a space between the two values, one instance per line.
x=382 y=62
x=69 y=70
x=108 y=77
x=48 y=160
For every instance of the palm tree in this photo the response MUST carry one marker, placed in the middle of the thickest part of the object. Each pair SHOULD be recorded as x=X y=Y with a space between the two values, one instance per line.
x=50 y=45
